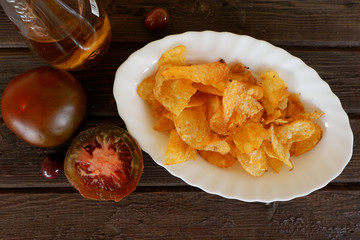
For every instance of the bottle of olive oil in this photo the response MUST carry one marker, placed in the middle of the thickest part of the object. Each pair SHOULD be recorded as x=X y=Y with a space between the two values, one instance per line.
x=68 y=34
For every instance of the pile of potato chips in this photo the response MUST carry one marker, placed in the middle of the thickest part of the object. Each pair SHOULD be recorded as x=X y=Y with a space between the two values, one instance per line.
x=226 y=115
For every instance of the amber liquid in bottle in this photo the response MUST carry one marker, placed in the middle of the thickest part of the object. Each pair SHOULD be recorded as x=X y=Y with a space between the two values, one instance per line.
x=73 y=44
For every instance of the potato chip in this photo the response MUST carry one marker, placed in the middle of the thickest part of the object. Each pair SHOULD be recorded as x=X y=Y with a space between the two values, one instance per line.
x=268 y=148
x=283 y=102
x=217 y=145
x=312 y=116
x=267 y=106
x=275 y=164
x=239 y=68
x=241 y=73
x=197 y=99
x=249 y=137
x=295 y=131
x=258 y=117
x=228 y=115
x=230 y=98
x=145 y=89
x=281 y=151
x=255 y=91
x=248 y=105
x=218 y=124
x=255 y=163
x=306 y=145
x=273 y=117
x=193 y=128
x=295 y=106
x=158 y=110
x=178 y=151
x=236 y=98
x=214 y=74
x=222 y=161
x=234 y=151
x=207 y=89
x=163 y=123
x=274 y=88
x=236 y=121
x=213 y=103
x=175 y=94
x=175 y=57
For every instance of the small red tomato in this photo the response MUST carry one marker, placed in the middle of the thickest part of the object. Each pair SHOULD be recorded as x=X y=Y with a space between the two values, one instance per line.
x=44 y=106
x=157 y=19
x=52 y=165
x=104 y=163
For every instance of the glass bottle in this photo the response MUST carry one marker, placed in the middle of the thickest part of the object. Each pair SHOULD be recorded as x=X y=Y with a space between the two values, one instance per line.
x=68 y=34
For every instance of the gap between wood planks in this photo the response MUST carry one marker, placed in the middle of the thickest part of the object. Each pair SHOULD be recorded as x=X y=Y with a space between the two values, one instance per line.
x=355 y=186
x=289 y=45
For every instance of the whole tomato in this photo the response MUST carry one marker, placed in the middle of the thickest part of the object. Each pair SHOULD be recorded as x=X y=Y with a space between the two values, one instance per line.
x=157 y=19
x=44 y=106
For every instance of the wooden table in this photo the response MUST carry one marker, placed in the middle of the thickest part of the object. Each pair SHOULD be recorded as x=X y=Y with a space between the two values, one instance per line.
x=325 y=34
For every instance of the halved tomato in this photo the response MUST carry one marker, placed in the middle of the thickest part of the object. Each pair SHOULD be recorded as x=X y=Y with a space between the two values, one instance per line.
x=104 y=163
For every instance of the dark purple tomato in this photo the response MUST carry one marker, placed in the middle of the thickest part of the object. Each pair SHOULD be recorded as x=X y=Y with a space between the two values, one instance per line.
x=157 y=19
x=52 y=165
x=104 y=163
x=44 y=106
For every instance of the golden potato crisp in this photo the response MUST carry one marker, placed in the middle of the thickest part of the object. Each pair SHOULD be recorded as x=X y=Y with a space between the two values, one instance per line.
x=274 y=89
x=164 y=123
x=249 y=137
x=281 y=151
x=306 y=145
x=214 y=74
x=275 y=164
x=217 y=122
x=295 y=106
x=241 y=73
x=217 y=145
x=145 y=90
x=222 y=161
x=295 y=131
x=174 y=95
x=193 y=128
x=228 y=115
x=197 y=99
x=178 y=151
x=207 y=89
x=255 y=163
x=237 y=99
x=174 y=57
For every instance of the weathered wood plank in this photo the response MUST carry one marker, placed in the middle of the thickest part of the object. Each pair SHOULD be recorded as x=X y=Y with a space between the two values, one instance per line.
x=288 y=22
x=325 y=34
x=339 y=68
x=20 y=163
x=325 y=214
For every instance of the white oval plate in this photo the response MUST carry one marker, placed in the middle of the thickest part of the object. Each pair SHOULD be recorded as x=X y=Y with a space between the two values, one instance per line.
x=312 y=170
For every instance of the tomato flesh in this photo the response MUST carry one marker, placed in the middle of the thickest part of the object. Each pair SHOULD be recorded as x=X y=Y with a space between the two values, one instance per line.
x=104 y=167
x=104 y=163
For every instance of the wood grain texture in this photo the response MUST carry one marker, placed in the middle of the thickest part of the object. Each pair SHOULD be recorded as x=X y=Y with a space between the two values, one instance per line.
x=20 y=164
x=178 y=215
x=325 y=34
x=339 y=68
x=303 y=23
